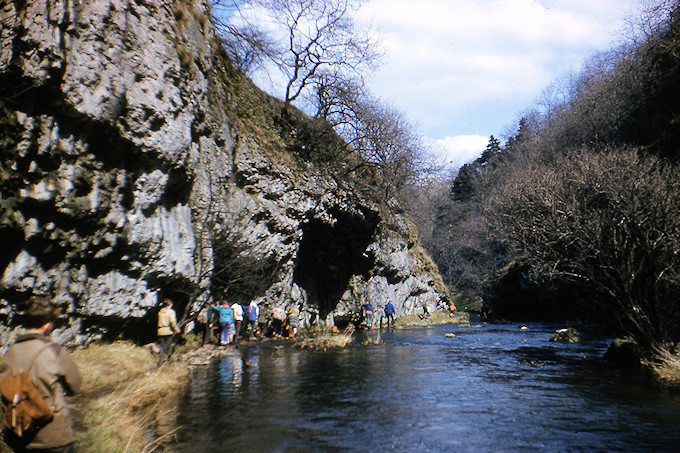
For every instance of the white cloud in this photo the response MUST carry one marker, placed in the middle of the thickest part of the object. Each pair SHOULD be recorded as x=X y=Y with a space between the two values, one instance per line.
x=461 y=70
x=462 y=149
x=446 y=57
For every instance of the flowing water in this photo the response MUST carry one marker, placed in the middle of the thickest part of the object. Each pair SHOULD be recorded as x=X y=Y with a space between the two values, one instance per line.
x=489 y=388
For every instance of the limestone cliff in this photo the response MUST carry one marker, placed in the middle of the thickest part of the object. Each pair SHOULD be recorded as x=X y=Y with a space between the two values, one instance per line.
x=137 y=163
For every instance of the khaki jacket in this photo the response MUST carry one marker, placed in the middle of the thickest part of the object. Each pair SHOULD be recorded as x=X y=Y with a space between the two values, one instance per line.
x=167 y=322
x=55 y=375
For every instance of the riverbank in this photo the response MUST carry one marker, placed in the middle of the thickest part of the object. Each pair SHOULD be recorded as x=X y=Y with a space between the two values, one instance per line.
x=438 y=317
x=128 y=403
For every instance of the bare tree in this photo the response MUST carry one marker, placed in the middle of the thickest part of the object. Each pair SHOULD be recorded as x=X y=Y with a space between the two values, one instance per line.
x=336 y=98
x=583 y=221
x=312 y=37
x=230 y=259
x=321 y=34
x=385 y=139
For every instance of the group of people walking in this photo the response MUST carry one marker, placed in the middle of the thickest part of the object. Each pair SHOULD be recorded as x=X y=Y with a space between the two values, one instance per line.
x=233 y=321
x=230 y=319
x=51 y=367
x=367 y=313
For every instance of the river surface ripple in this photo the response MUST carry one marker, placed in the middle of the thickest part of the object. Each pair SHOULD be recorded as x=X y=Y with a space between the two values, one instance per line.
x=489 y=388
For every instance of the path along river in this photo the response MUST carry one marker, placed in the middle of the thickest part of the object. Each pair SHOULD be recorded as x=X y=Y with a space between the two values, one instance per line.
x=489 y=388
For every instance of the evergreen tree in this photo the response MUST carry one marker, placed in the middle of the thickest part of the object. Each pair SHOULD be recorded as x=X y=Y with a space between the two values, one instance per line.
x=520 y=136
x=461 y=190
x=492 y=149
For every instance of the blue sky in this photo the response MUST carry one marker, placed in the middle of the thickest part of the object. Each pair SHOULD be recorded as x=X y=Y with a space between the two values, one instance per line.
x=462 y=70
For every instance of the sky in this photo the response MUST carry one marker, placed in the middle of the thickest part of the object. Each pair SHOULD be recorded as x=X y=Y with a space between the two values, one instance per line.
x=462 y=70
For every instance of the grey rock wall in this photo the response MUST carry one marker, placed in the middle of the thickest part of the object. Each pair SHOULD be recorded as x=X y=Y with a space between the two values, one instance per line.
x=123 y=181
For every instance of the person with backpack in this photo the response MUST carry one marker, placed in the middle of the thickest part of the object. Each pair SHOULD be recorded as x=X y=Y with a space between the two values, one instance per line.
x=293 y=320
x=278 y=318
x=226 y=318
x=368 y=314
x=253 y=314
x=52 y=373
x=205 y=324
x=389 y=313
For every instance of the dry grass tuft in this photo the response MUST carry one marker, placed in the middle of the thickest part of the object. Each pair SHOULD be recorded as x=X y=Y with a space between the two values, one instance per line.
x=326 y=341
x=665 y=368
x=127 y=400
x=105 y=365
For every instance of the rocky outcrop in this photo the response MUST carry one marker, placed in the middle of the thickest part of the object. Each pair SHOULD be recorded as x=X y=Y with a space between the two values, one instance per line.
x=124 y=178
x=568 y=335
x=624 y=352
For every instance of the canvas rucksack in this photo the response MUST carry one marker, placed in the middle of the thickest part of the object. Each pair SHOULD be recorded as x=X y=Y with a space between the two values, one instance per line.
x=24 y=409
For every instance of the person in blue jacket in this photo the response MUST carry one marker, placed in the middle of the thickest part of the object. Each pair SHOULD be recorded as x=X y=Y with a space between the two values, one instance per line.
x=226 y=319
x=389 y=312
x=368 y=314
x=253 y=314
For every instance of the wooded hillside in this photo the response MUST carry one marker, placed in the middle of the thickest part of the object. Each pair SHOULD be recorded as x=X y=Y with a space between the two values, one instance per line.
x=576 y=217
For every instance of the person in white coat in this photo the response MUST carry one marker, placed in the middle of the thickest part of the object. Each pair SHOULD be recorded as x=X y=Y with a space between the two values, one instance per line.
x=238 y=318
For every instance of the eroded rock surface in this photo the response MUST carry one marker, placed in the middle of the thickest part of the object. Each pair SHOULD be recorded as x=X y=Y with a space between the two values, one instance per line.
x=123 y=180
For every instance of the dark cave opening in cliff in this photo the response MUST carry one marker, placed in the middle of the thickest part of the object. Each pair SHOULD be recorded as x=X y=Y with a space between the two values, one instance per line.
x=330 y=253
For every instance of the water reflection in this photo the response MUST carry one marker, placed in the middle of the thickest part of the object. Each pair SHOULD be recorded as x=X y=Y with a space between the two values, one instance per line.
x=486 y=389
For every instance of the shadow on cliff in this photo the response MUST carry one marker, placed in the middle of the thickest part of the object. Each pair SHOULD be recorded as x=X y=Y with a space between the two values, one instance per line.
x=330 y=253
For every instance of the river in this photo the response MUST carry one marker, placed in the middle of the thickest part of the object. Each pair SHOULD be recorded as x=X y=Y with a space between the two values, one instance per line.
x=491 y=387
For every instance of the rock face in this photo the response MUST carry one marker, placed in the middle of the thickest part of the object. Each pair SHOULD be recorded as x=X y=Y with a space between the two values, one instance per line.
x=123 y=179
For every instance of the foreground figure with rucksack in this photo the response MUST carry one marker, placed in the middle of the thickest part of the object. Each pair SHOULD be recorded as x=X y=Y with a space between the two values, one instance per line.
x=52 y=373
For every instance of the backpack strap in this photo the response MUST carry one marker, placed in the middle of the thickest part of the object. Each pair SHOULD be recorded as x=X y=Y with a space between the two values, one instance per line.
x=35 y=357
x=32 y=362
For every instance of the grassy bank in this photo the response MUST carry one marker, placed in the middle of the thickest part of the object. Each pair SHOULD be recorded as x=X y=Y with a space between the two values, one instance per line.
x=437 y=317
x=664 y=369
x=128 y=404
x=126 y=401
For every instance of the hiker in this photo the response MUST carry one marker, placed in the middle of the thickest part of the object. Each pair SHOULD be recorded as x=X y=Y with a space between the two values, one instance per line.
x=426 y=311
x=368 y=314
x=293 y=320
x=452 y=309
x=226 y=319
x=278 y=318
x=53 y=373
x=389 y=313
x=204 y=322
x=167 y=326
x=264 y=321
x=238 y=317
x=253 y=313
